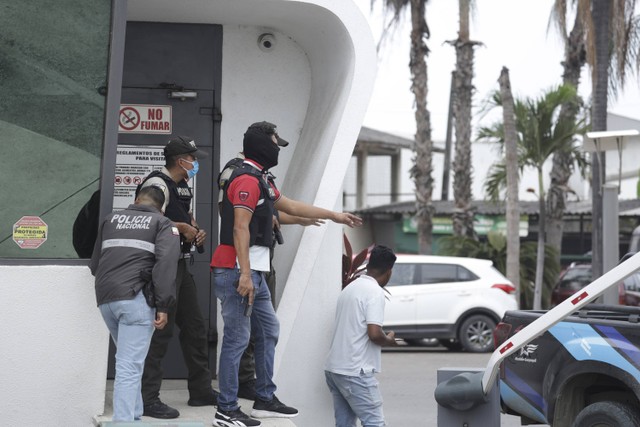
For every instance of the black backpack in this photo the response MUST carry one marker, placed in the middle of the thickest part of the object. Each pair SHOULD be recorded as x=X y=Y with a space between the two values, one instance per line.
x=85 y=227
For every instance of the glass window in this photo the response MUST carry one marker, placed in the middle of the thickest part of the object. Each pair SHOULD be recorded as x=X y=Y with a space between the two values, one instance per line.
x=576 y=278
x=437 y=273
x=465 y=275
x=632 y=283
x=53 y=69
x=404 y=274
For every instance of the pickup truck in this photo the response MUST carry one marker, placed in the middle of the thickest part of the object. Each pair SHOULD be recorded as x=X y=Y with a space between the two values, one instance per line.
x=583 y=371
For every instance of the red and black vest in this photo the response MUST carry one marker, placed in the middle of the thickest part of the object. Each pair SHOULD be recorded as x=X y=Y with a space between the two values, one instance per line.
x=261 y=225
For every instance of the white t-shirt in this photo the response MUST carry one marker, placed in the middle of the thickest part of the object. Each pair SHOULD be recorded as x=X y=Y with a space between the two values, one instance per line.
x=360 y=303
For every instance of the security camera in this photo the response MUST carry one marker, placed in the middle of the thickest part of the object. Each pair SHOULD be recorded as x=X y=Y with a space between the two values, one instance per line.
x=266 y=42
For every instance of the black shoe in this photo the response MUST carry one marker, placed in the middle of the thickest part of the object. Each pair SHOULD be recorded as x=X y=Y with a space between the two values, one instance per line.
x=211 y=399
x=235 y=418
x=272 y=409
x=247 y=390
x=160 y=410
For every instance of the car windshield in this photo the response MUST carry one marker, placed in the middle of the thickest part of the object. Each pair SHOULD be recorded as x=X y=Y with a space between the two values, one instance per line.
x=632 y=283
x=576 y=278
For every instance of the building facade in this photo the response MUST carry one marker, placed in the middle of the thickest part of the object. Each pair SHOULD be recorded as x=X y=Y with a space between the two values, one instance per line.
x=90 y=92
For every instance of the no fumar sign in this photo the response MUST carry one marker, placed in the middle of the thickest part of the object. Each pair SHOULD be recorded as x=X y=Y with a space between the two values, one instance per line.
x=139 y=118
x=30 y=232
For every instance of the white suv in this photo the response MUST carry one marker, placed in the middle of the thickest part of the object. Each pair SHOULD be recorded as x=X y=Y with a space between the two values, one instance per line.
x=459 y=301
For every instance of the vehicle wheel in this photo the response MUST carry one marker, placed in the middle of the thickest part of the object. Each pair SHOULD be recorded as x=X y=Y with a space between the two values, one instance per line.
x=607 y=414
x=476 y=334
x=421 y=342
x=450 y=344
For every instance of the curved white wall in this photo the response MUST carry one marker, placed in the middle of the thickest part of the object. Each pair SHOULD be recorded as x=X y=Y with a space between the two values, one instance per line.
x=274 y=86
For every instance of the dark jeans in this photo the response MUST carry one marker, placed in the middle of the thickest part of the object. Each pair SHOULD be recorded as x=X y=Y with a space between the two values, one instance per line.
x=247 y=370
x=193 y=342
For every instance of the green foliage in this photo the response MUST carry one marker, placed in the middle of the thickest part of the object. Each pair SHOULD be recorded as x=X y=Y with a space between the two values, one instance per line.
x=495 y=249
x=541 y=132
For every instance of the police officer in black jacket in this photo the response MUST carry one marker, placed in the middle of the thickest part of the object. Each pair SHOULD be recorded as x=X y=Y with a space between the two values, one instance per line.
x=181 y=164
x=136 y=248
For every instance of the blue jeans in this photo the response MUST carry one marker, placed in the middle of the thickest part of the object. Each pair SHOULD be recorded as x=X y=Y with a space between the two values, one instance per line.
x=356 y=397
x=237 y=330
x=130 y=323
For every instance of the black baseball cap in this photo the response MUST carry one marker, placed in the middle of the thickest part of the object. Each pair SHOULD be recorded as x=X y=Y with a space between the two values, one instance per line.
x=269 y=129
x=183 y=145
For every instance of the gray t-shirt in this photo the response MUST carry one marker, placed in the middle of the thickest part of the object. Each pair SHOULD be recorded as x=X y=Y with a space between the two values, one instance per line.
x=361 y=303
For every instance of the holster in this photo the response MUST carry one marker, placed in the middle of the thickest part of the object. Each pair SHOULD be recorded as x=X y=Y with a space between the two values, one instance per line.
x=148 y=289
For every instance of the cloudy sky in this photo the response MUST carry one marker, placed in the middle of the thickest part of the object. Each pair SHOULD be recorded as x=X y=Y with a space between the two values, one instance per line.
x=514 y=34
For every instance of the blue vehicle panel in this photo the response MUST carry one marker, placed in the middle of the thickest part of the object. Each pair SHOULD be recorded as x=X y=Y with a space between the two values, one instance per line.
x=532 y=377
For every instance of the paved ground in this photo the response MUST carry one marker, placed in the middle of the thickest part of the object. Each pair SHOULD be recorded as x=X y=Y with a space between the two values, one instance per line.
x=408 y=381
x=409 y=378
x=175 y=394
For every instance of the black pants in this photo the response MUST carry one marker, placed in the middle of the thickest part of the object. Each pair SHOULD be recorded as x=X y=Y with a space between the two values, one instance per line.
x=247 y=369
x=187 y=316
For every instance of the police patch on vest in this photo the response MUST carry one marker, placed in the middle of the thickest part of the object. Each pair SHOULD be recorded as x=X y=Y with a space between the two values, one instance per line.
x=174 y=231
x=243 y=195
x=184 y=191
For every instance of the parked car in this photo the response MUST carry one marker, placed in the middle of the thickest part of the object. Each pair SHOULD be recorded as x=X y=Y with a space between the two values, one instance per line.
x=577 y=276
x=459 y=301
x=572 y=279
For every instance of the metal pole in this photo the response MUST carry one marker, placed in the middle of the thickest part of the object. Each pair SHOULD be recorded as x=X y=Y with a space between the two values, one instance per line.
x=610 y=237
x=598 y=168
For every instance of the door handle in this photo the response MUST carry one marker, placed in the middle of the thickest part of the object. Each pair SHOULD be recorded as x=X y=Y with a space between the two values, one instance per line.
x=406 y=299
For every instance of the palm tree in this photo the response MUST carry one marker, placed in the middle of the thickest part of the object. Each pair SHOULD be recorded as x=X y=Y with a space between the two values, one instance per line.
x=599 y=79
x=575 y=57
x=541 y=132
x=605 y=35
x=463 y=89
x=511 y=170
x=422 y=169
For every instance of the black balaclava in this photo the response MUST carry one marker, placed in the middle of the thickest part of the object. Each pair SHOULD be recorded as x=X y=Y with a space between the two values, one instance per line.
x=259 y=147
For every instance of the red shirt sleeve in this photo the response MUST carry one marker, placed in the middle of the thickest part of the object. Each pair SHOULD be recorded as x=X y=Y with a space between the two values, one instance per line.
x=244 y=192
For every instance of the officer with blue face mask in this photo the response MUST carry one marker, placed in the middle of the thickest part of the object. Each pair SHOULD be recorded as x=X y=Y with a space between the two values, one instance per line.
x=181 y=165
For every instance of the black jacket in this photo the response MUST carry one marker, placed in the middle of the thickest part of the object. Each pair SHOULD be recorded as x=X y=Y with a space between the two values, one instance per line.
x=136 y=239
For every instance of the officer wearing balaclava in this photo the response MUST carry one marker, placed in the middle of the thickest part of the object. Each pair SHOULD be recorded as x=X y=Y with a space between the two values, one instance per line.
x=240 y=263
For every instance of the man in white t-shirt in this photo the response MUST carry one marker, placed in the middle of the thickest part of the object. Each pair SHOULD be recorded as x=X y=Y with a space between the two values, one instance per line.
x=358 y=338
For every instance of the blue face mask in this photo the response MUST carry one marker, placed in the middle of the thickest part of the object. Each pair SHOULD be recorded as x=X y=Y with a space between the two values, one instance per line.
x=194 y=170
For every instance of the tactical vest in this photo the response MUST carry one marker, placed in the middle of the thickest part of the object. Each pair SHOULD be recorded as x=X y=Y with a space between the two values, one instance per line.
x=261 y=225
x=225 y=175
x=180 y=196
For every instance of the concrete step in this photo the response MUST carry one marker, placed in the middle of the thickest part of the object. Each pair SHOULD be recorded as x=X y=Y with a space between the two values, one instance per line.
x=175 y=394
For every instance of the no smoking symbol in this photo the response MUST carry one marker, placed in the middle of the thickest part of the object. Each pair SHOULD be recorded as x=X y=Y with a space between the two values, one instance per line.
x=129 y=118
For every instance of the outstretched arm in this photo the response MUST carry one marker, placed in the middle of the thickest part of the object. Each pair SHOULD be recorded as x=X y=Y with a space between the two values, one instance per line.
x=285 y=218
x=301 y=209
